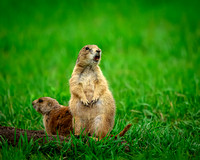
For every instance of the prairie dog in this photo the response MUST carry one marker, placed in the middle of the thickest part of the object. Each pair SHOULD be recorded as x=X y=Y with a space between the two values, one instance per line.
x=56 y=118
x=92 y=104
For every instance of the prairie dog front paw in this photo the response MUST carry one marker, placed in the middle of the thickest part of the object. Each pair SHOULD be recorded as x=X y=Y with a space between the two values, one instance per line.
x=85 y=102
x=94 y=99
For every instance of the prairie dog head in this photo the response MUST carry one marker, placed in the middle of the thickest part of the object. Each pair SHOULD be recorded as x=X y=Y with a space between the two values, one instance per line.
x=89 y=55
x=44 y=105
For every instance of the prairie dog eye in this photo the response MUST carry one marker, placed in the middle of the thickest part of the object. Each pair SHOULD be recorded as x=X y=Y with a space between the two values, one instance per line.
x=40 y=101
x=87 y=48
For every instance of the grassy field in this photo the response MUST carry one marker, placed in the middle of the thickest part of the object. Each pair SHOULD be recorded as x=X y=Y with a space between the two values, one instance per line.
x=151 y=59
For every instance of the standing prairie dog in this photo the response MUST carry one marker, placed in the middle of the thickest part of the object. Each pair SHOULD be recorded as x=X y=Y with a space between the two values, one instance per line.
x=56 y=118
x=92 y=104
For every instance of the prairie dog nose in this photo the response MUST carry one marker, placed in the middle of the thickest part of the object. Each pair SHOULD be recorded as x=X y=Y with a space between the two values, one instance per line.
x=98 y=51
x=33 y=102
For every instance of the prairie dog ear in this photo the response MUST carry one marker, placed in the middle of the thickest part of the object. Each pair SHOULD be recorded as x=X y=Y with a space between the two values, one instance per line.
x=50 y=104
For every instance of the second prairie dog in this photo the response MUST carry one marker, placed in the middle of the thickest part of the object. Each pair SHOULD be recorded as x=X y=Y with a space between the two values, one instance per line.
x=56 y=118
x=92 y=104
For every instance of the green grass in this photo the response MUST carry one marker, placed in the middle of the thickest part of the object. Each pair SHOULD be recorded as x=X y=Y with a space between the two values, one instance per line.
x=151 y=59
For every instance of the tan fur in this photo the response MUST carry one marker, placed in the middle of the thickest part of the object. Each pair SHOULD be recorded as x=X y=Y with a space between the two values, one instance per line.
x=56 y=118
x=91 y=104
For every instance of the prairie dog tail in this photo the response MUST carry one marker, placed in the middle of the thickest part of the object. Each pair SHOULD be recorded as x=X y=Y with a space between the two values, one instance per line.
x=124 y=131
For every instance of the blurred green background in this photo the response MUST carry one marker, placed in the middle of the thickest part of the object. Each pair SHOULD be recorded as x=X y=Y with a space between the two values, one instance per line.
x=150 y=57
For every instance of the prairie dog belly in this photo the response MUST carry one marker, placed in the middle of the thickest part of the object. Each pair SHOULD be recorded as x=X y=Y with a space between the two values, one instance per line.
x=90 y=112
x=89 y=91
x=87 y=80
